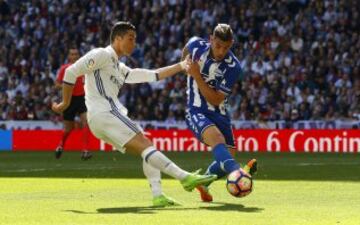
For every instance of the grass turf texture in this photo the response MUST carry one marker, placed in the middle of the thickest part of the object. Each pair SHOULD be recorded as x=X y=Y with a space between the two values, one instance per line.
x=110 y=189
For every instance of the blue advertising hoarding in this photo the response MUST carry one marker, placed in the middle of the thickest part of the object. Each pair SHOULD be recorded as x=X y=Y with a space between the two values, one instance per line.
x=5 y=140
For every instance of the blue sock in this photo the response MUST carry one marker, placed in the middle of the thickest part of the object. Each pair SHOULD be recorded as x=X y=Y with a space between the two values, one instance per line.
x=224 y=159
x=215 y=168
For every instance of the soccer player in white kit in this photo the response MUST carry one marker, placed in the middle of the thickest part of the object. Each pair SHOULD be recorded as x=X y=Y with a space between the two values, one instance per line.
x=107 y=117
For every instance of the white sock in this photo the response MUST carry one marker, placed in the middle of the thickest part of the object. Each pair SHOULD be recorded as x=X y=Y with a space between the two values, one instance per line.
x=154 y=177
x=158 y=160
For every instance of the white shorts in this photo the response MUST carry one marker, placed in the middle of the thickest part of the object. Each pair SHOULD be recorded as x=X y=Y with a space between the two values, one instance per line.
x=114 y=128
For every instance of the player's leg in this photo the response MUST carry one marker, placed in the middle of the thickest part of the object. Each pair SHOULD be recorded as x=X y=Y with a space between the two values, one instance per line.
x=153 y=176
x=125 y=134
x=217 y=133
x=215 y=139
x=224 y=126
x=205 y=129
x=68 y=127
x=250 y=166
x=223 y=164
x=226 y=129
x=142 y=145
x=122 y=133
x=69 y=117
x=85 y=154
x=198 y=123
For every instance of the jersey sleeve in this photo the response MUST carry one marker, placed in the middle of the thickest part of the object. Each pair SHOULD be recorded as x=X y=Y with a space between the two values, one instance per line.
x=137 y=75
x=229 y=79
x=193 y=46
x=91 y=61
x=60 y=75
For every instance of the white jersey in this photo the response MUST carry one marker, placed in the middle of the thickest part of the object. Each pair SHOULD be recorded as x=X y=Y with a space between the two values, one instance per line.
x=104 y=77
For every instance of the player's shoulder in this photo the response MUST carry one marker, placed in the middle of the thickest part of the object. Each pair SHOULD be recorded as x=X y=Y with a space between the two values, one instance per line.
x=197 y=42
x=232 y=61
x=100 y=52
x=61 y=71
x=64 y=66
x=99 y=56
x=196 y=39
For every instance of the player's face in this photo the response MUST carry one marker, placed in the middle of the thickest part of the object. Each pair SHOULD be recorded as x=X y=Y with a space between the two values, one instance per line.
x=128 y=42
x=219 y=48
x=73 y=55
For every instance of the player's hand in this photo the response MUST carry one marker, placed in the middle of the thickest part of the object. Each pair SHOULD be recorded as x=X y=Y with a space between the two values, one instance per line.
x=58 y=107
x=193 y=69
x=185 y=62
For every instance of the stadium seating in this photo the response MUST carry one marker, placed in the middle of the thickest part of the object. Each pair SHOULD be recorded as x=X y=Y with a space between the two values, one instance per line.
x=301 y=63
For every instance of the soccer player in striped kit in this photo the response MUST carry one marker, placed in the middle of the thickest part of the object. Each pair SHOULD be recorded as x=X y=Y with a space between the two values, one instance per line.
x=213 y=71
x=107 y=117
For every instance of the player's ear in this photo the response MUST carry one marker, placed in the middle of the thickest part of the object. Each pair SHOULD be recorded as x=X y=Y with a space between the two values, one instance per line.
x=232 y=43
x=212 y=39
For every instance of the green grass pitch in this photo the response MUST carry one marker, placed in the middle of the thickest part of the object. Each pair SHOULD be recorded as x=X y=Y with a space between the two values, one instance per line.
x=110 y=189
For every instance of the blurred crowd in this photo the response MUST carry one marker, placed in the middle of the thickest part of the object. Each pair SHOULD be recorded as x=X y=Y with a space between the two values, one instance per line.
x=300 y=58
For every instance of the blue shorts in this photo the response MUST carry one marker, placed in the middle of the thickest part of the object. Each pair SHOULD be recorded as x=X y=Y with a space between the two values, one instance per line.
x=197 y=121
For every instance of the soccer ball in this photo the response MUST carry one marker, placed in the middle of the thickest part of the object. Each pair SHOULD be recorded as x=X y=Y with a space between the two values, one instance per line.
x=239 y=183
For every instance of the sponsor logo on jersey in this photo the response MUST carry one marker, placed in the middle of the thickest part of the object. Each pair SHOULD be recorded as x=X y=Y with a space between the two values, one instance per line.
x=90 y=64
x=115 y=81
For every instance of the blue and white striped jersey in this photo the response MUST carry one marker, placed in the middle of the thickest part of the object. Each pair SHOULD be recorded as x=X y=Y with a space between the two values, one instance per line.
x=220 y=75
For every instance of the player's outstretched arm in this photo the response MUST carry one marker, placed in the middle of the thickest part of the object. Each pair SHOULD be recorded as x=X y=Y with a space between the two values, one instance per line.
x=169 y=71
x=139 y=75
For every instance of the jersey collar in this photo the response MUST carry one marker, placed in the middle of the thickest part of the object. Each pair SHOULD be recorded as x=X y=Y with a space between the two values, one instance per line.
x=112 y=51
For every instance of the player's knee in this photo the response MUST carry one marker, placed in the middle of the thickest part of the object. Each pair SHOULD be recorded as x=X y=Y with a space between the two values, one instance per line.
x=219 y=139
x=147 y=142
x=138 y=144
x=214 y=139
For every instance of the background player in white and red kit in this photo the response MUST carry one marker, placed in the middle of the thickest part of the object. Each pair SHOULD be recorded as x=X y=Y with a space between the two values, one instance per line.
x=77 y=106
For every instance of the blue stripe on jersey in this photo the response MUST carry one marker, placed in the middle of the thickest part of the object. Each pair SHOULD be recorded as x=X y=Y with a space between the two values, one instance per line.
x=125 y=120
x=206 y=67
x=190 y=90
x=114 y=109
x=98 y=81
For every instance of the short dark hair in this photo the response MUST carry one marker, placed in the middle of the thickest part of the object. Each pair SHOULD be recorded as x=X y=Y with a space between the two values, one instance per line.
x=223 y=32
x=120 y=29
x=73 y=46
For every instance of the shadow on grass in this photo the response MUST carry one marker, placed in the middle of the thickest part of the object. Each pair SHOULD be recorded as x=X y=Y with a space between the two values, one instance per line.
x=223 y=206
x=215 y=206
